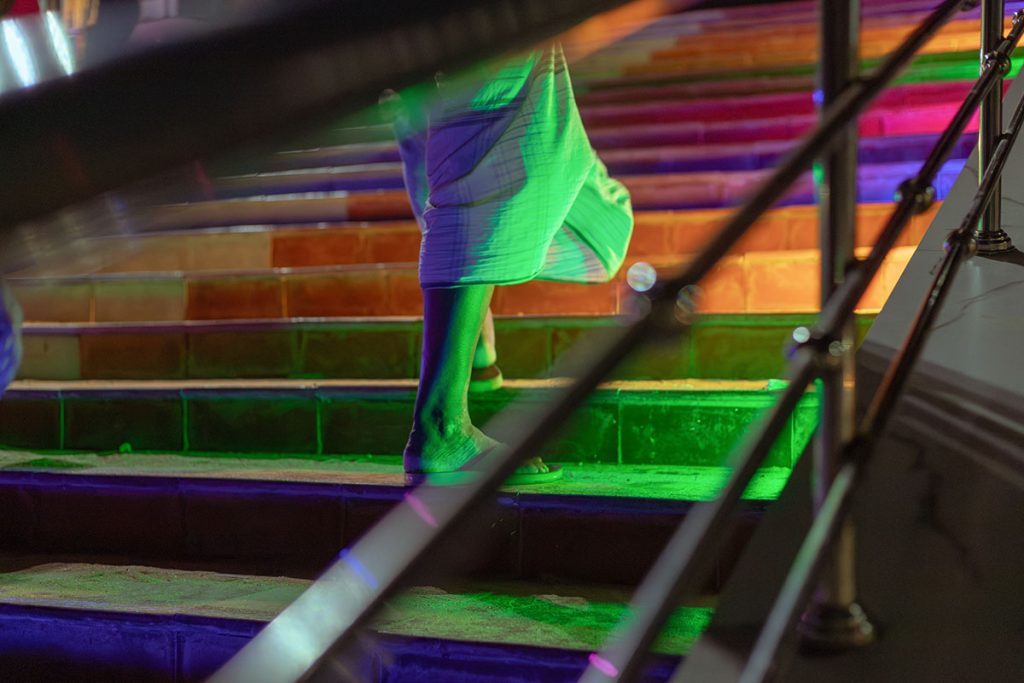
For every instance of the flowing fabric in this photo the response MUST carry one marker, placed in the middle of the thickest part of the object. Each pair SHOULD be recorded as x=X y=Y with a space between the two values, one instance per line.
x=10 y=336
x=504 y=182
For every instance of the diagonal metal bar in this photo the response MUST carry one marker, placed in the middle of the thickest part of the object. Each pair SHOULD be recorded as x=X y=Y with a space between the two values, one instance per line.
x=681 y=564
x=325 y=618
x=914 y=193
x=762 y=664
x=677 y=567
x=72 y=138
x=848 y=105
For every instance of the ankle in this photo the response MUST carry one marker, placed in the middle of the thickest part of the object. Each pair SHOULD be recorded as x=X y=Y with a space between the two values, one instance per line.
x=485 y=355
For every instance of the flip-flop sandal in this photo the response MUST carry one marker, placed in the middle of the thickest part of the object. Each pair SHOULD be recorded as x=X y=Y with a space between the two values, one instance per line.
x=465 y=476
x=482 y=380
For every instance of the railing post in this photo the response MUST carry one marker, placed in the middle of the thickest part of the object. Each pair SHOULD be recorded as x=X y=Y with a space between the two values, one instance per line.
x=834 y=619
x=990 y=236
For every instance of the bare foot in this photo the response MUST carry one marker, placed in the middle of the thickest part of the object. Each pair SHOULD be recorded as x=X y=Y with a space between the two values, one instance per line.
x=425 y=454
x=429 y=451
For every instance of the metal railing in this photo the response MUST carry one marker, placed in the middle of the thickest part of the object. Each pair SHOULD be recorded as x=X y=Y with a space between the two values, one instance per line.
x=68 y=139
x=313 y=633
x=309 y=637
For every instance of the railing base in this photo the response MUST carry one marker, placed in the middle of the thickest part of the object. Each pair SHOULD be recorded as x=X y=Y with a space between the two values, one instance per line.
x=832 y=628
x=993 y=242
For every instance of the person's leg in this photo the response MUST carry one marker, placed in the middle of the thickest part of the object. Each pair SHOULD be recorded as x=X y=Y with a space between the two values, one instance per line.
x=410 y=126
x=443 y=437
x=486 y=375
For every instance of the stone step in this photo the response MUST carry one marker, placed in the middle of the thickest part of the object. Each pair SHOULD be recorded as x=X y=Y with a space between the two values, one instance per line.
x=656 y=234
x=680 y=422
x=669 y=104
x=650 y=192
x=607 y=88
x=956 y=36
x=669 y=158
x=713 y=144
x=946 y=66
x=241 y=513
x=719 y=347
x=90 y=621
x=755 y=282
x=673 y=119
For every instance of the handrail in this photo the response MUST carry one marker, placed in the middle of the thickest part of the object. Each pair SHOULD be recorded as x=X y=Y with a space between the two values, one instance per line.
x=72 y=138
x=677 y=568
x=959 y=246
x=324 y=619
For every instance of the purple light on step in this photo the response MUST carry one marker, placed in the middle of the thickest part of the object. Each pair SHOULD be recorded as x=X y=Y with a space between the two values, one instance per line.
x=420 y=509
x=360 y=569
x=603 y=665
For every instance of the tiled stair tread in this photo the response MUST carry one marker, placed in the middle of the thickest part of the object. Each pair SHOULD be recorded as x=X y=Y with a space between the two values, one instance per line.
x=664 y=261
x=381 y=385
x=750 y=282
x=657 y=233
x=740 y=346
x=632 y=159
x=953 y=66
x=685 y=422
x=401 y=322
x=544 y=615
x=589 y=480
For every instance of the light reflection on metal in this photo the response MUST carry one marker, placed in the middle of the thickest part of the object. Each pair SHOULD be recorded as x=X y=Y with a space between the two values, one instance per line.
x=603 y=665
x=641 y=276
x=420 y=508
x=59 y=41
x=360 y=569
x=19 y=54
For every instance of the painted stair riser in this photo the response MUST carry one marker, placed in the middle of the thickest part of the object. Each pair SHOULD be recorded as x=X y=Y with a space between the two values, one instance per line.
x=48 y=644
x=275 y=528
x=695 y=145
x=657 y=192
x=758 y=282
x=753 y=156
x=670 y=62
x=655 y=425
x=948 y=67
x=703 y=107
x=656 y=235
x=729 y=347
x=927 y=68
x=748 y=108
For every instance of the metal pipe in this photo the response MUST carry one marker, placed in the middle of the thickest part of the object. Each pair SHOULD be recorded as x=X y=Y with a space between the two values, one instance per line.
x=849 y=104
x=958 y=245
x=681 y=565
x=304 y=636
x=70 y=139
x=914 y=194
x=991 y=238
x=833 y=618
x=762 y=665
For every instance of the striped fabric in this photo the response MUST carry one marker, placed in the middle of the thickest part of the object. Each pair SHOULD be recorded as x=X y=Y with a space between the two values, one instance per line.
x=504 y=183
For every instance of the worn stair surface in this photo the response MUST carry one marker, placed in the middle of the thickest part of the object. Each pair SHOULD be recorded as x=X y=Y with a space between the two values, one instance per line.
x=145 y=623
x=243 y=511
x=682 y=422
x=207 y=413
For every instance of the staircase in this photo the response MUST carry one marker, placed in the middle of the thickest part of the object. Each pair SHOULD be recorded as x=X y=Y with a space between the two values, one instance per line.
x=207 y=414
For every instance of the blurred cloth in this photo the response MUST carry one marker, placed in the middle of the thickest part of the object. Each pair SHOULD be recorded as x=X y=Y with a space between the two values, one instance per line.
x=17 y=8
x=10 y=336
x=504 y=182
